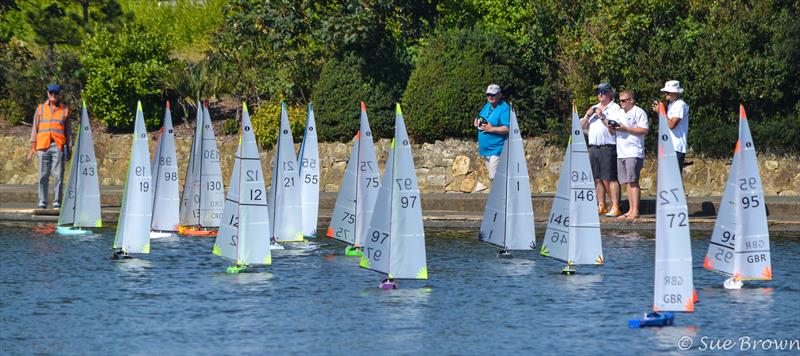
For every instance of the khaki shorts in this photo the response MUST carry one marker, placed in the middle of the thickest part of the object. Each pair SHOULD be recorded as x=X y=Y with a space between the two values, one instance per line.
x=628 y=169
x=491 y=164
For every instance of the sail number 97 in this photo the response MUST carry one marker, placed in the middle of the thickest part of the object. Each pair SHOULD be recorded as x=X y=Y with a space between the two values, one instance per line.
x=409 y=201
x=373 y=253
x=376 y=235
x=404 y=183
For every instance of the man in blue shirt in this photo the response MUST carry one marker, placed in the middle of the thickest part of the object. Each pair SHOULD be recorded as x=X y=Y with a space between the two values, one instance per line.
x=492 y=124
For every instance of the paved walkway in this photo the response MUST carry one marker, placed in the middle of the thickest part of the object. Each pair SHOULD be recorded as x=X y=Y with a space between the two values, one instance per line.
x=445 y=210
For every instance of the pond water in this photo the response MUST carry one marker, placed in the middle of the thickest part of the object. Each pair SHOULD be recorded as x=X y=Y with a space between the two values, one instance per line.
x=65 y=295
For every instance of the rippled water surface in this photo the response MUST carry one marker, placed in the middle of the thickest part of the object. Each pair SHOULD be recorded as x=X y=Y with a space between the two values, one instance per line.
x=65 y=295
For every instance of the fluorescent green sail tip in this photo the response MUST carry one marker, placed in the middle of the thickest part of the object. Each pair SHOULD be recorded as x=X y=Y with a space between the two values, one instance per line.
x=244 y=107
x=392 y=147
x=139 y=105
x=217 y=251
x=423 y=273
x=83 y=101
x=544 y=251
x=399 y=111
x=364 y=262
x=146 y=248
x=235 y=269
x=268 y=260
x=98 y=222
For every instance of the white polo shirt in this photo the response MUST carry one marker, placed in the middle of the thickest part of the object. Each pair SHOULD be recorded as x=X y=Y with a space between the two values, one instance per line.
x=598 y=133
x=680 y=109
x=628 y=144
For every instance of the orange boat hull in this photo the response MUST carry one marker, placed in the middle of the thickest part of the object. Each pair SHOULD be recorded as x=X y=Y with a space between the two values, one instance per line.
x=193 y=231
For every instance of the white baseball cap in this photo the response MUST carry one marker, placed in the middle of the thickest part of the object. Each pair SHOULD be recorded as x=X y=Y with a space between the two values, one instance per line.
x=493 y=89
x=672 y=86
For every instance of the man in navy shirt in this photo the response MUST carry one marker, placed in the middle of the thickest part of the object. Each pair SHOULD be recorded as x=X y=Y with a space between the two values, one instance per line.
x=492 y=124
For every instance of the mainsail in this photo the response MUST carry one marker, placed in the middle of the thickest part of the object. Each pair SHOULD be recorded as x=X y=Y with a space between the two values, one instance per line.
x=244 y=230
x=81 y=205
x=133 y=229
x=739 y=245
x=359 y=189
x=508 y=217
x=165 y=179
x=308 y=159
x=190 y=200
x=285 y=209
x=395 y=241
x=212 y=195
x=573 y=230
x=674 y=285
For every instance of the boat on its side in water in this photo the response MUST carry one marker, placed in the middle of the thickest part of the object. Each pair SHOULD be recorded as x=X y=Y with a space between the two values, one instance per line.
x=573 y=228
x=673 y=281
x=739 y=246
x=357 y=193
x=285 y=206
x=508 y=216
x=395 y=240
x=244 y=230
x=133 y=228
x=81 y=205
x=203 y=193
x=308 y=160
x=164 y=166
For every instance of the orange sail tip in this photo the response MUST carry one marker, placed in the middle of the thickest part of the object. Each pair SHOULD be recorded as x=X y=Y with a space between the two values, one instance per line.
x=574 y=108
x=363 y=106
x=737 y=148
x=707 y=264
x=767 y=273
x=695 y=297
x=737 y=276
x=329 y=233
x=358 y=135
x=599 y=260
x=661 y=109
x=742 y=114
x=167 y=104
x=689 y=306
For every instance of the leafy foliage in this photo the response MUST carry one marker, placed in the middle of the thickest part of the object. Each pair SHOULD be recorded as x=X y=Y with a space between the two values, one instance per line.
x=267 y=120
x=123 y=68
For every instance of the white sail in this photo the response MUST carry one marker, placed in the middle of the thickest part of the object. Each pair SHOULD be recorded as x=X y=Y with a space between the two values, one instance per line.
x=343 y=220
x=164 y=167
x=395 y=241
x=190 y=200
x=285 y=208
x=573 y=230
x=359 y=189
x=674 y=284
x=133 y=228
x=81 y=205
x=739 y=245
x=212 y=194
x=244 y=230
x=508 y=217
x=308 y=160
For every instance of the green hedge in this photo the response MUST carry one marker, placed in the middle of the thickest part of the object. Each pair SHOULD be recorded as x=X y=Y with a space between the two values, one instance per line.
x=267 y=119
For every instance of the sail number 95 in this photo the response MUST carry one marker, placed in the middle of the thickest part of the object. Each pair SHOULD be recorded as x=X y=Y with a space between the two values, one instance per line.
x=723 y=255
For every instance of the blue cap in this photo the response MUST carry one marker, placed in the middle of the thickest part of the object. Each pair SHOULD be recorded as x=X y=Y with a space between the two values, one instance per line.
x=603 y=88
x=53 y=87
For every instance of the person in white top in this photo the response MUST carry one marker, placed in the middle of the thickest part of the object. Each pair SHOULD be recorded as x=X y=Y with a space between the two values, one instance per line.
x=631 y=126
x=677 y=119
x=602 y=149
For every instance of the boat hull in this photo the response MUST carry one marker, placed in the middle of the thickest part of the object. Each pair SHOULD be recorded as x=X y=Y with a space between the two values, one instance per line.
x=652 y=319
x=71 y=231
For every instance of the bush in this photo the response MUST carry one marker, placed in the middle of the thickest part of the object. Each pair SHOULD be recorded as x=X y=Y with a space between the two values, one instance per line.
x=446 y=90
x=125 y=67
x=341 y=86
x=267 y=120
x=11 y=112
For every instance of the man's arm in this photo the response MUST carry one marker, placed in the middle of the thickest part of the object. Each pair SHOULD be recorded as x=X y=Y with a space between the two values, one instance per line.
x=672 y=122
x=584 y=122
x=34 y=132
x=67 y=135
x=501 y=130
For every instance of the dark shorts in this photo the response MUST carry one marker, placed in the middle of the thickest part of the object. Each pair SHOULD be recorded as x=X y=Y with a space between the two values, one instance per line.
x=604 y=161
x=628 y=169
x=681 y=160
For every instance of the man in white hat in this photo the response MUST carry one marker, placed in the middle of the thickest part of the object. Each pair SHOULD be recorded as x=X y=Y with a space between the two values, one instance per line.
x=677 y=119
x=492 y=124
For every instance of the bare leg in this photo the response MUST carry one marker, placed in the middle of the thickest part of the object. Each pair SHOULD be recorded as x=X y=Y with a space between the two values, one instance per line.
x=634 y=193
x=600 y=193
x=614 y=192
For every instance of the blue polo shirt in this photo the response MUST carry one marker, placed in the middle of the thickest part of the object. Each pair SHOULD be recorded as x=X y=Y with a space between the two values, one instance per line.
x=491 y=144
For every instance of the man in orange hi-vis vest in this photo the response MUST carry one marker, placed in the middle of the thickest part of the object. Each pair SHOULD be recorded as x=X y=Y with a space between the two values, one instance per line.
x=50 y=142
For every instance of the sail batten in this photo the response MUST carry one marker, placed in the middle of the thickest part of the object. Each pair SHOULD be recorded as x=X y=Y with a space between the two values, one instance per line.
x=508 y=217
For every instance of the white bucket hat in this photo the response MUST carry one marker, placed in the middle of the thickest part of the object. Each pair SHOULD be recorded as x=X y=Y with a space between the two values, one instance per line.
x=672 y=86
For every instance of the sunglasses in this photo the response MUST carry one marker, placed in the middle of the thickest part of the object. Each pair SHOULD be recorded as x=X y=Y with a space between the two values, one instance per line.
x=491 y=95
x=624 y=100
x=53 y=92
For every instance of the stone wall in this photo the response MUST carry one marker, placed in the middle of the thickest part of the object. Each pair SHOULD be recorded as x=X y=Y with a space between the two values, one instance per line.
x=445 y=166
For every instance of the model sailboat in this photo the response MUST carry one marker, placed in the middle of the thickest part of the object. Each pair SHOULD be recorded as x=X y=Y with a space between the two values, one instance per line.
x=133 y=228
x=244 y=230
x=739 y=245
x=674 y=284
x=573 y=230
x=203 y=196
x=508 y=217
x=394 y=244
x=358 y=191
x=81 y=206
x=284 y=194
x=165 y=182
x=308 y=159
